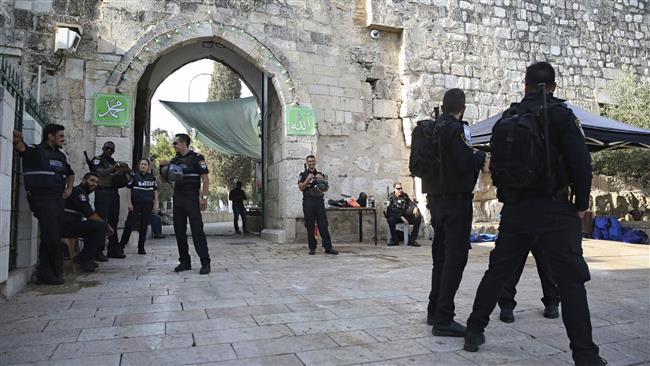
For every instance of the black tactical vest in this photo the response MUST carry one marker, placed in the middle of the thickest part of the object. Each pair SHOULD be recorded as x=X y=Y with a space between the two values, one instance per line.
x=49 y=175
x=143 y=187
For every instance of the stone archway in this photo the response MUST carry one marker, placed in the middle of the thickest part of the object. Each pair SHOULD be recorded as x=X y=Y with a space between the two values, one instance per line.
x=249 y=53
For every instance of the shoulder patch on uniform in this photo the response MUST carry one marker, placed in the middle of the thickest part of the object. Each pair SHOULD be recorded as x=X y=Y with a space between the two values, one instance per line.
x=83 y=197
x=203 y=164
x=579 y=125
x=96 y=161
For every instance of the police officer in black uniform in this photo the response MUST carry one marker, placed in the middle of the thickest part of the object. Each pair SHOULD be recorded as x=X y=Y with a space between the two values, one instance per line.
x=313 y=206
x=551 y=295
x=399 y=209
x=188 y=204
x=555 y=228
x=142 y=200
x=238 y=196
x=92 y=229
x=451 y=212
x=107 y=198
x=48 y=181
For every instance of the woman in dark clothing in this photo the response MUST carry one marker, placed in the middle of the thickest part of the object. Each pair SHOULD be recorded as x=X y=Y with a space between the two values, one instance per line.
x=142 y=199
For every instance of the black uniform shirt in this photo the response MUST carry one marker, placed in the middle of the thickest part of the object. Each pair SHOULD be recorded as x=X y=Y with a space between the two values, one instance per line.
x=237 y=196
x=460 y=163
x=43 y=159
x=77 y=205
x=398 y=206
x=101 y=162
x=193 y=166
x=301 y=178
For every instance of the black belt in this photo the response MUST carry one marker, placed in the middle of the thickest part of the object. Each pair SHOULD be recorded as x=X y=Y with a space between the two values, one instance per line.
x=453 y=195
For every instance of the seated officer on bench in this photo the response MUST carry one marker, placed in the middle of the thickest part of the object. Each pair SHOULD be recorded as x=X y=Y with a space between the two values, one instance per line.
x=401 y=209
x=93 y=230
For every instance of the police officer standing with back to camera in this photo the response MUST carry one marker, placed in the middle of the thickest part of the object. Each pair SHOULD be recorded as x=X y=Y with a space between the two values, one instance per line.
x=556 y=225
x=107 y=198
x=313 y=184
x=80 y=220
x=188 y=203
x=453 y=181
x=48 y=181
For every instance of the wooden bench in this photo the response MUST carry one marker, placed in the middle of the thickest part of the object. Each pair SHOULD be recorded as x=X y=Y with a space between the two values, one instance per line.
x=73 y=250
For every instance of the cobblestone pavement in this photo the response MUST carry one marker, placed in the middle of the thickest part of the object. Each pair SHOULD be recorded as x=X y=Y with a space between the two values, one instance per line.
x=267 y=304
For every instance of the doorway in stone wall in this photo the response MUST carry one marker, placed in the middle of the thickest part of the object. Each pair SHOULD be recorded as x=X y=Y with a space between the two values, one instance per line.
x=211 y=63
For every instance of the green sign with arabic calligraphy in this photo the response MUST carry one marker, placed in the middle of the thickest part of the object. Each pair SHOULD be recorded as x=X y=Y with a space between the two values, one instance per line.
x=111 y=110
x=300 y=120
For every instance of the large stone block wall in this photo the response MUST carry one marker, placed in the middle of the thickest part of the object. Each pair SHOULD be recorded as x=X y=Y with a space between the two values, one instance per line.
x=367 y=92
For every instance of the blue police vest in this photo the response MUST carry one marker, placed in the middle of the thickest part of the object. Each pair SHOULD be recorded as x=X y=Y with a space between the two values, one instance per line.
x=191 y=177
x=143 y=187
x=50 y=172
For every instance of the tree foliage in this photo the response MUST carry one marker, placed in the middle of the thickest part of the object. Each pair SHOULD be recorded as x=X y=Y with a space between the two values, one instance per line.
x=161 y=149
x=631 y=104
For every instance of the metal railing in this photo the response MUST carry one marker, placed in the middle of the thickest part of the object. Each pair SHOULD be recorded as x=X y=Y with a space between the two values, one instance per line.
x=12 y=81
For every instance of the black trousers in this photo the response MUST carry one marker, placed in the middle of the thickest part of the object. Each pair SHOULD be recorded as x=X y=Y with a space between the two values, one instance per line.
x=551 y=294
x=186 y=206
x=107 y=205
x=393 y=221
x=94 y=235
x=561 y=241
x=239 y=211
x=314 y=210
x=140 y=215
x=48 y=209
x=452 y=222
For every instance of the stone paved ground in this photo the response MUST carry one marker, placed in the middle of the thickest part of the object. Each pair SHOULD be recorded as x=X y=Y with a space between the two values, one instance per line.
x=267 y=304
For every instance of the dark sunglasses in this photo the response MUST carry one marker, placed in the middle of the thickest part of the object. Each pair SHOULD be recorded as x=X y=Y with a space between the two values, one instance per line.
x=174 y=143
x=109 y=148
x=399 y=188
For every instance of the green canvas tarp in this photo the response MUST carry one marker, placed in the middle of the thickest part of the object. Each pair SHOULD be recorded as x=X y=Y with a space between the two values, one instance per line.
x=230 y=127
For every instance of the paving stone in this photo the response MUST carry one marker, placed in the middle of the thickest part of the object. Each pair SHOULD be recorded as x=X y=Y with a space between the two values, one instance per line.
x=37 y=339
x=236 y=311
x=96 y=322
x=104 y=360
x=179 y=356
x=121 y=345
x=295 y=317
x=275 y=300
x=24 y=354
x=224 y=303
x=160 y=317
x=241 y=334
x=209 y=324
x=445 y=358
x=282 y=345
x=22 y=326
x=138 y=309
x=400 y=332
x=105 y=303
x=339 y=325
x=501 y=352
x=282 y=360
x=126 y=331
x=364 y=353
x=351 y=338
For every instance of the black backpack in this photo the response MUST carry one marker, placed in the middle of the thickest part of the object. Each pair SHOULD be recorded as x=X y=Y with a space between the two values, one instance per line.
x=520 y=151
x=424 y=158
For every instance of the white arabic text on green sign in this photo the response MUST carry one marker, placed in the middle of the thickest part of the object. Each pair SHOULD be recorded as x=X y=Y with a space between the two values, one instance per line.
x=300 y=121
x=111 y=110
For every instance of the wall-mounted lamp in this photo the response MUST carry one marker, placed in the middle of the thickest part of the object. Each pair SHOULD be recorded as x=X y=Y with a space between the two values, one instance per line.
x=66 y=38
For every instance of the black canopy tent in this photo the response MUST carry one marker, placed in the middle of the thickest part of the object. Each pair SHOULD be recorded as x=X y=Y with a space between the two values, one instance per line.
x=601 y=133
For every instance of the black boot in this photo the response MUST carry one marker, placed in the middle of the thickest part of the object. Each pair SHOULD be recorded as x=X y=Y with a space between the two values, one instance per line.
x=205 y=269
x=183 y=267
x=453 y=329
x=141 y=249
x=507 y=316
x=473 y=340
x=551 y=312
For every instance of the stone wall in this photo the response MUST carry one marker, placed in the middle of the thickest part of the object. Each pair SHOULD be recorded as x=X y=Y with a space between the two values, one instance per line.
x=367 y=91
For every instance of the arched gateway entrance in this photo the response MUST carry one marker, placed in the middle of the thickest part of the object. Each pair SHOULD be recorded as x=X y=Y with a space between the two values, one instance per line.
x=177 y=42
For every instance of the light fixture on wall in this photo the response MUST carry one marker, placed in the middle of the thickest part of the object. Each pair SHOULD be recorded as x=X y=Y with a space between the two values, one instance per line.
x=66 y=38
